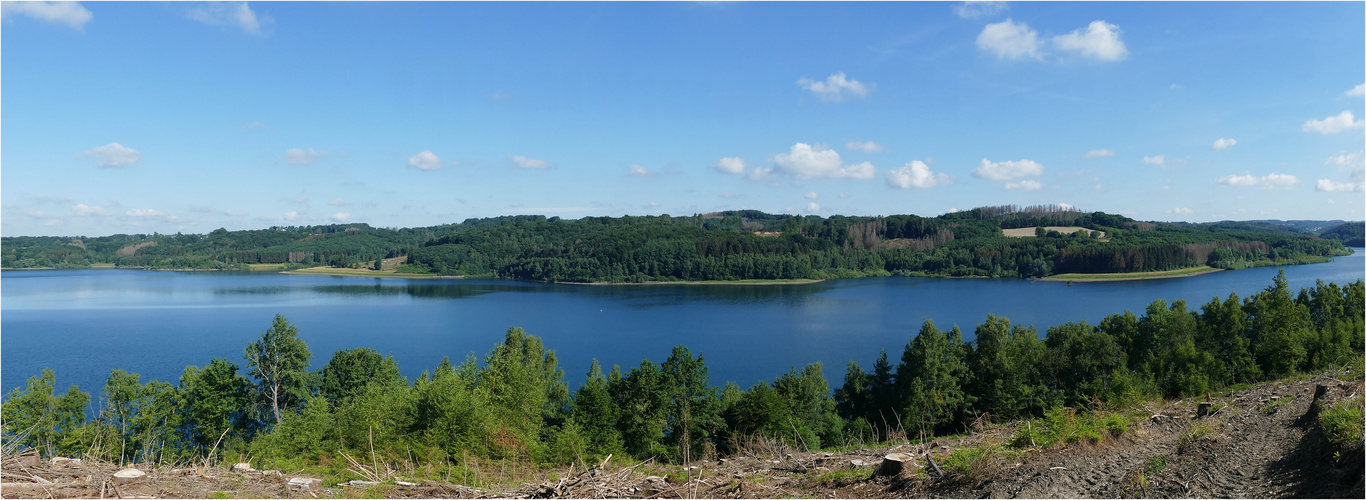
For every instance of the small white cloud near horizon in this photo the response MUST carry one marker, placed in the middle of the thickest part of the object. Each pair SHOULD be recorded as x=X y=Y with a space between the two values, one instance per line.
x=528 y=163
x=1333 y=124
x=811 y=195
x=1223 y=143
x=866 y=147
x=1269 y=181
x=813 y=207
x=72 y=14
x=1180 y=211
x=234 y=14
x=82 y=210
x=1099 y=153
x=916 y=174
x=425 y=160
x=341 y=216
x=113 y=155
x=730 y=165
x=291 y=216
x=1006 y=170
x=805 y=161
x=1330 y=186
x=1025 y=185
x=1100 y=41
x=1010 y=40
x=639 y=171
x=1158 y=160
x=835 y=87
x=1360 y=89
x=144 y=212
x=297 y=156
x=974 y=10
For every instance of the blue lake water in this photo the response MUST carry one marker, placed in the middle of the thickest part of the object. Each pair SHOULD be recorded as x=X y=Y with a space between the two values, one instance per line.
x=83 y=324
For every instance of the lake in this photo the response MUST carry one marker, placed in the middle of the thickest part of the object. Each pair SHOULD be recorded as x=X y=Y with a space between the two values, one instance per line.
x=84 y=323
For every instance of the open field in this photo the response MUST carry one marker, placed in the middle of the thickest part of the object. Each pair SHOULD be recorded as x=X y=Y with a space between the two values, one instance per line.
x=1028 y=232
x=371 y=273
x=266 y=267
x=717 y=282
x=1151 y=275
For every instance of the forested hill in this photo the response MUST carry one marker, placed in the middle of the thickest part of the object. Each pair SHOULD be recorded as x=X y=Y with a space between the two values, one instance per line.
x=733 y=245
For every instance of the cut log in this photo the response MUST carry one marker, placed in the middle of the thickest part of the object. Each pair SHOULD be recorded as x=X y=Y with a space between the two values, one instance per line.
x=308 y=483
x=894 y=463
x=127 y=475
x=242 y=467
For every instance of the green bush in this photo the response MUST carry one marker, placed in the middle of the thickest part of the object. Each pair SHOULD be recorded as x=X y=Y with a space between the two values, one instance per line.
x=1342 y=423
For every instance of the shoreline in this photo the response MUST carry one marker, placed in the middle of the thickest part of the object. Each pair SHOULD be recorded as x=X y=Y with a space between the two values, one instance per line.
x=352 y=274
x=694 y=283
x=1100 y=278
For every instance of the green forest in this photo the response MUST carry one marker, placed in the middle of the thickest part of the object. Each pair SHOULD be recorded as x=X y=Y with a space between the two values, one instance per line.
x=276 y=408
x=721 y=246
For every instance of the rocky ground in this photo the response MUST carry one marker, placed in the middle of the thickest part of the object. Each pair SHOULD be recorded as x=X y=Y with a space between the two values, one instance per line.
x=1257 y=443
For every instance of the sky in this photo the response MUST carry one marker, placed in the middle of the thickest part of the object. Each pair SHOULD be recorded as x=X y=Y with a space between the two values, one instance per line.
x=187 y=117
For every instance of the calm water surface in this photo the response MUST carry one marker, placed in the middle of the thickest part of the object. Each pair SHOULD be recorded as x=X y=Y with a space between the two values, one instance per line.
x=85 y=323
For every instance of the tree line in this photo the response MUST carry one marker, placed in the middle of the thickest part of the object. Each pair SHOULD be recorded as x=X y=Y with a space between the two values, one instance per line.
x=513 y=402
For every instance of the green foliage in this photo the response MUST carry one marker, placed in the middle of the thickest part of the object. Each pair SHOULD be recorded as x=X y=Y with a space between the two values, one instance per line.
x=1342 y=423
x=595 y=416
x=38 y=418
x=844 y=477
x=350 y=370
x=693 y=411
x=1062 y=426
x=279 y=363
x=214 y=402
x=930 y=379
x=300 y=438
x=525 y=388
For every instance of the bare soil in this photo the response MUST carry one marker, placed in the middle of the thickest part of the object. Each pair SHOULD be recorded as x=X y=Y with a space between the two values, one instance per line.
x=1257 y=443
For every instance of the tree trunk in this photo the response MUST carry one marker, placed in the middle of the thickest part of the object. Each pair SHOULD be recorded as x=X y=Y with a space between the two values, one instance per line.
x=894 y=463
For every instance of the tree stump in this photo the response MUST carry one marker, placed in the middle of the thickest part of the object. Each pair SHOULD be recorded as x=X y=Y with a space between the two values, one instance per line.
x=894 y=463
x=1203 y=409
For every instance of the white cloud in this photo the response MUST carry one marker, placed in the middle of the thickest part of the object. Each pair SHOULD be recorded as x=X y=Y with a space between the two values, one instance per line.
x=1100 y=153
x=298 y=156
x=341 y=216
x=425 y=160
x=1158 y=160
x=1269 y=181
x=88 y=211
x=974 y=10
x=1005 y=170
x=144 y=212
x=33 y=213
x=1223 y=143
x=1180 y=210
x=337 y=202
x=1345 y=159
x=529 y=163
x=835 y=87
x=1331 y=186
x=811 y=195
x=236 y=14
x=866 y=147
x=1009 y=40
x=760 y=173
x=804 y=161
x=1333 y=124
x=1025 y=185
x=639 y=171
x=1357 y=90
x=916 y=174
x=71 y=14
x=813 y=207
x=291 y=216
x=1100 y=41
x=113 y=155
x=731 y=165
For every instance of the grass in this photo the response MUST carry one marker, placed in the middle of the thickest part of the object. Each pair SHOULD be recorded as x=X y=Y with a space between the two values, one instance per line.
x=1063 y=426
x=337 y=271
x=1271 y=406
x=1156 y=465
x=266 y=267
x=1189 y=271
x=1342 y=423
x=975 y=462
x=220 y=494
x=844 y=477
x=1195 y=433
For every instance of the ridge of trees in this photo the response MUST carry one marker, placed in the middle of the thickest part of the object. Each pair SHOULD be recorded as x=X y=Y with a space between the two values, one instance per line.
x=514 y=402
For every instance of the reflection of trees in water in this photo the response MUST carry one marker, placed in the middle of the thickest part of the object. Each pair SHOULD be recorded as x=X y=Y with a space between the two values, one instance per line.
x=644 y=296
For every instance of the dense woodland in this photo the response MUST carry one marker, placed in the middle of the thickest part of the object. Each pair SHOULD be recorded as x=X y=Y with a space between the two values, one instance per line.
x=278 y=410
x=735 y=245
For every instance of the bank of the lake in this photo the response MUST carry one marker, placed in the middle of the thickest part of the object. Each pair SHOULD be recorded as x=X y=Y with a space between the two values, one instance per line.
x=1150 y=275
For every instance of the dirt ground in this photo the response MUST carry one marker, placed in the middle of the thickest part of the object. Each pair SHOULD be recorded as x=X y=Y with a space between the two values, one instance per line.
x=1258 y=443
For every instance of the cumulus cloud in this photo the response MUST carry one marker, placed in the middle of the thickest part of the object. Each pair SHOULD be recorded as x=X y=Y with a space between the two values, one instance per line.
x=1009 y=40
x=1333 y=124
x=341 y=216
x=836 y=87
x=298 y=156
x=291 y=216
x=1345 y=159
x=866 y=147
x=804 y=161
x=1269 y=181
x=528 y=163
x=731 y=165
x=83 y=210
x=234 y=14
x=1357 y=90
x=813 y=207
x=144 y=212
x=1025 y=185
x=811 y=195
x=71 y=14
x=1331 y=186
x=1100 y=153
x=916 y=174
x=1006 y=170
x=1100 y=41
x=1158 y=160
x=1223 y=143
x=113 y=155
x=1180 y=211
x=639 y=171
x=425 y=160
x=974 y=10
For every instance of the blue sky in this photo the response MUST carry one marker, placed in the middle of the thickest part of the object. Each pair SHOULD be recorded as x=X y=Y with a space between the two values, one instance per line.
x=141 y=117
